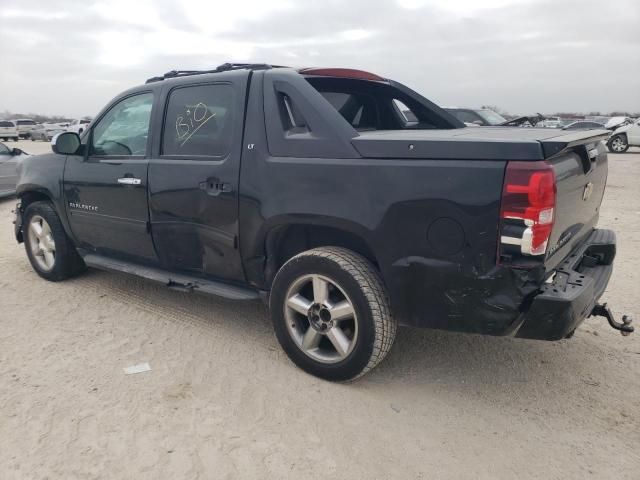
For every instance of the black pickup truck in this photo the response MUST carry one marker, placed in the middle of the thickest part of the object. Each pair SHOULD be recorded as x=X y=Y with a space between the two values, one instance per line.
x=314 y=190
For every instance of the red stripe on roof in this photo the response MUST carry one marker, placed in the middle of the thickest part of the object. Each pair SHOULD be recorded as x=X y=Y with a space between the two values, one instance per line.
x=341 y=73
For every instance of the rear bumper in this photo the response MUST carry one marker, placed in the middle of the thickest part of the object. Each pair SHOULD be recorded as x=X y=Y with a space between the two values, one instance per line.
x=579 y=282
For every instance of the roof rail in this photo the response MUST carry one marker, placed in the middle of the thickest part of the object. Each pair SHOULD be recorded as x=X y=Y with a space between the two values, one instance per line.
x=221 y=68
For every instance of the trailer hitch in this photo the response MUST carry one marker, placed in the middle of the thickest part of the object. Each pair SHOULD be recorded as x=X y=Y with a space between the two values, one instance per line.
x=625 y=327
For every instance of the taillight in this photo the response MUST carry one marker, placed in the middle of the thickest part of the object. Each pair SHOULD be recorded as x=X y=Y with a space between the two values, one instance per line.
x=527 y=211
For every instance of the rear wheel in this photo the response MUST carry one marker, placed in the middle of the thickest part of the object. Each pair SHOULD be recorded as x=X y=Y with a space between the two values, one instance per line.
x=618 y=144
x=331 y=313
x=50 y=251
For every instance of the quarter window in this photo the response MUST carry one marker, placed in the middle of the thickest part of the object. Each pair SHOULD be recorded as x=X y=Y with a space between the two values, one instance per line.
x=199 y=121
x=123 y=131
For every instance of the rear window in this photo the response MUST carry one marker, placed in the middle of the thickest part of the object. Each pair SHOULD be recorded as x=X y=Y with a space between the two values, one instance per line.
x=359 y=109
x=369 y=105
x=199 y=121
x=466 y=116
x=26 y=122
x=491 y=117
x=7 y=124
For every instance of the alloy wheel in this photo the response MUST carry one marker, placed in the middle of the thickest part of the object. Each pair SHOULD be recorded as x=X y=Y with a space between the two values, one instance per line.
x=618 y=145
x=41 y=243
x=321 y=318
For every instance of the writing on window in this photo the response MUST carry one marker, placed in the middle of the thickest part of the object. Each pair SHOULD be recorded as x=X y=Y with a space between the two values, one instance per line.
x=199 y=121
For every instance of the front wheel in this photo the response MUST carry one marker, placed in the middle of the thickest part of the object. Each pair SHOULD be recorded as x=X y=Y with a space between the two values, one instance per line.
x=50 y=251
x=618 y=144
x=331 y=313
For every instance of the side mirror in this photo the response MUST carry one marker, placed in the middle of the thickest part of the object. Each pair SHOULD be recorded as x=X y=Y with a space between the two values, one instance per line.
x=67 y=143
x=16 y=151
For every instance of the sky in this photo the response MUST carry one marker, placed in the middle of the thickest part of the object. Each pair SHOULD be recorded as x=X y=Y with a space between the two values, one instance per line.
x=70 y=57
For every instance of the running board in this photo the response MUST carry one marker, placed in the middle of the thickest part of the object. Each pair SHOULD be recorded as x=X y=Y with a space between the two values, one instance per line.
x=175 y=281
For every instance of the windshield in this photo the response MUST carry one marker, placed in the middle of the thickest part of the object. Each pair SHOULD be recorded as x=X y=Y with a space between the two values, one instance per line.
x=491 y=117
x=26 y=122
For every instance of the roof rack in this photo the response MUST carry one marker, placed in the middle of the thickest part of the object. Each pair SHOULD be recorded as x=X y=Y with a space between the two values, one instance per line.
x=221 y=68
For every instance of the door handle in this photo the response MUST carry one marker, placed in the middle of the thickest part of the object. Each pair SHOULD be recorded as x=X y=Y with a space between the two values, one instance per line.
x=129 y=181
x=214 y=187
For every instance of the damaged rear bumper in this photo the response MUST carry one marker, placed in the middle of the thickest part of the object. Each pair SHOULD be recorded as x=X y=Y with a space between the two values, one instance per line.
x=579 y=282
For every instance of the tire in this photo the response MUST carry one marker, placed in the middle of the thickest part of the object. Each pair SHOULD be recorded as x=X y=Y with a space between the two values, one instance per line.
x=618 y=144
x=56 y=244
x=366 y=334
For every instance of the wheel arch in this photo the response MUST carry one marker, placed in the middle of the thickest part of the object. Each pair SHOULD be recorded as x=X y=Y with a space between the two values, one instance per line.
x=30 y=194
x=285 y=240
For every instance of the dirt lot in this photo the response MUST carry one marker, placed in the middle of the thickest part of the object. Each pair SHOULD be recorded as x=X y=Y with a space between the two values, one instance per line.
x=223 y=401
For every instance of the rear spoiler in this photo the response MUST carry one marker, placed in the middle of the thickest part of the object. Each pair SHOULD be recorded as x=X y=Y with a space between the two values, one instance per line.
x=562 y=143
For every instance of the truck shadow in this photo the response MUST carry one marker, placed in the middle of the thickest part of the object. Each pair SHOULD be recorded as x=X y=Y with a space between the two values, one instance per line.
x=427 y=362
x=420 y=359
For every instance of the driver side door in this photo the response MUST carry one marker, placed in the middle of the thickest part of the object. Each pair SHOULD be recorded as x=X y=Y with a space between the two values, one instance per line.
x=106 y=189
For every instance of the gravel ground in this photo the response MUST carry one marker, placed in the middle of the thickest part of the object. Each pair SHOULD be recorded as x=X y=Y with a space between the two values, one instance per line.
x=223 y=401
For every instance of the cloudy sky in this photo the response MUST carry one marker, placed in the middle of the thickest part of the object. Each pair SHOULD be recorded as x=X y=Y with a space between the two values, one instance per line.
x=71 y=57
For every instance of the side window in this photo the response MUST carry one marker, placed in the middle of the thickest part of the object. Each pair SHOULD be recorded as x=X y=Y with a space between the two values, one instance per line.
x=125 y=128
x=292 y=119
x=199 y=121
x=4 y=150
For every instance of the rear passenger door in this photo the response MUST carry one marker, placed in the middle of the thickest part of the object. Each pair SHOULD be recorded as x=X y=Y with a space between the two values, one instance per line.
x=193 y=178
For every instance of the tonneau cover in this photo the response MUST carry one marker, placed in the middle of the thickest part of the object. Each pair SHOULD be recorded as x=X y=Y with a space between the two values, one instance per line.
x=472 y=143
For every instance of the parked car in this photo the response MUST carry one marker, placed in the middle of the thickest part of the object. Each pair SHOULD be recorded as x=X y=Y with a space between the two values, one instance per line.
x=78 y=126
x=8 y=131
x=550 y=122
x=45 y=132
x=311 y=189
x=582 y=124
x=615 y=122
x=9 y=159
x=476 y=116
x=625 y=136
x=25 y=125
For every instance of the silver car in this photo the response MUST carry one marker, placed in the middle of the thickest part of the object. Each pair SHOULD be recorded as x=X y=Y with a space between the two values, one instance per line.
x=9 y=159
x=45 y=132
